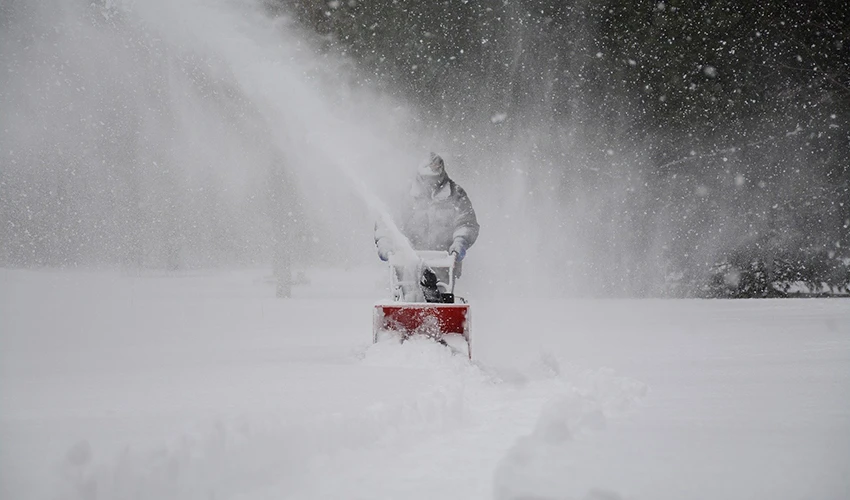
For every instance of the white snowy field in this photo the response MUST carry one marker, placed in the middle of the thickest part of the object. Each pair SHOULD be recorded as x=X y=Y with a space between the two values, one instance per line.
x=204 y=385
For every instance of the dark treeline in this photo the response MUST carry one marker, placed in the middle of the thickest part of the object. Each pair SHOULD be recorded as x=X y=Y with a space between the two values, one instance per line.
x=720 y=127
x=639 y=148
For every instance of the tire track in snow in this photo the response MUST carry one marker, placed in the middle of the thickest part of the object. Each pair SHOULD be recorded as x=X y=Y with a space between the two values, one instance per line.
x=502 y=417
x=468 y=435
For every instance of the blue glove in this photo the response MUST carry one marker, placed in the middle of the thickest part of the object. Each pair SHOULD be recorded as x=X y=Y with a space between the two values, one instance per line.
x=384 y=251
x=458 y=248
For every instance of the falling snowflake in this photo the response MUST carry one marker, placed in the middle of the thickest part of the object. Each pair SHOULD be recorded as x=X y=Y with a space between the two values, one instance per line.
x=740 y=180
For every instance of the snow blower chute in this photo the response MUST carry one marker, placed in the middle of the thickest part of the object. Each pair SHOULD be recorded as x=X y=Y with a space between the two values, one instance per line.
x=423 y=302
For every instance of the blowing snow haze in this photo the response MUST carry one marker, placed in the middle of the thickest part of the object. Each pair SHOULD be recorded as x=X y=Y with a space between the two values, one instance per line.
x=159 y=157
x=610 y=148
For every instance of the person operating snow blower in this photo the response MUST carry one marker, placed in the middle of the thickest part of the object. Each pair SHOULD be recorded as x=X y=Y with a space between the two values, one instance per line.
x=437 y=215
x=439 y=223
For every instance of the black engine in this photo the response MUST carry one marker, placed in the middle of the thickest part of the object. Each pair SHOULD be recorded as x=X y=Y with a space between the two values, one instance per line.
x=432 y=292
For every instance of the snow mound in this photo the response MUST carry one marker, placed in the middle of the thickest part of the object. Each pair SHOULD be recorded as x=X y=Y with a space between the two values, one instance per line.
x=220 y=464
x=415 y=352
x=504 y=425
x=581 y=403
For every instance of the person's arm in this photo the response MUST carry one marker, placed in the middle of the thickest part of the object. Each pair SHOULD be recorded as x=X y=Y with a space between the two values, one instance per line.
x=383 y=240
x=466 y=225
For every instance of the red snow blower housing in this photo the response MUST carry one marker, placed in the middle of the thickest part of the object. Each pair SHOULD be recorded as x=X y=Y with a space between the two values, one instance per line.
x=423 y=302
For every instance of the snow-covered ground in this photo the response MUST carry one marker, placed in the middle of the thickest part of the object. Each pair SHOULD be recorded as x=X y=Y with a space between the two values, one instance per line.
x=203 y=385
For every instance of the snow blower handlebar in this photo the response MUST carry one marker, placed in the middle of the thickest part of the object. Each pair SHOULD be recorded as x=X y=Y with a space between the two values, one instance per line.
x=406 y=273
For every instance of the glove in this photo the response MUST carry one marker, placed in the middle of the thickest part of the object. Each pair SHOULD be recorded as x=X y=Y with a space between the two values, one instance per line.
x=385 y=249
x=458 y=248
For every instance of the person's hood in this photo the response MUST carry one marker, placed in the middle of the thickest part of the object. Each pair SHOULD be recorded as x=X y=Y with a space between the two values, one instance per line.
x=431 y=177
x=432 y=166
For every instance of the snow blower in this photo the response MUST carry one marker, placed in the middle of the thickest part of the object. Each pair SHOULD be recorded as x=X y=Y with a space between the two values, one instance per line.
x=424 y=303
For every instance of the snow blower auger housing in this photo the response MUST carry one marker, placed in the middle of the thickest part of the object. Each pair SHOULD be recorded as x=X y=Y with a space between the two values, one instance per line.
x=423 y=302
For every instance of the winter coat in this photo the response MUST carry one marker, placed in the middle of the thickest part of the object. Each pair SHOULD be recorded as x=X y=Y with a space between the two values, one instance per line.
x=437 y=213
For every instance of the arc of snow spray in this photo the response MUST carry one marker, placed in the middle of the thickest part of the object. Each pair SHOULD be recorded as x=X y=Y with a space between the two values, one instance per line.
x=401 y=243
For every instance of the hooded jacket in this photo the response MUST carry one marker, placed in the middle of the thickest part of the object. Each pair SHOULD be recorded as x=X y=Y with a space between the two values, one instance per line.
x=438 y=212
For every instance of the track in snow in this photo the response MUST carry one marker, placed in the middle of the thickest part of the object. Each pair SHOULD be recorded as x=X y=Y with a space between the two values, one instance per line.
x=204 y=386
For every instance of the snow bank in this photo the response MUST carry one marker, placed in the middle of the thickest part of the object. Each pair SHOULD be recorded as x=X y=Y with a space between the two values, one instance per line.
x=205 y=386
x=464 y=413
